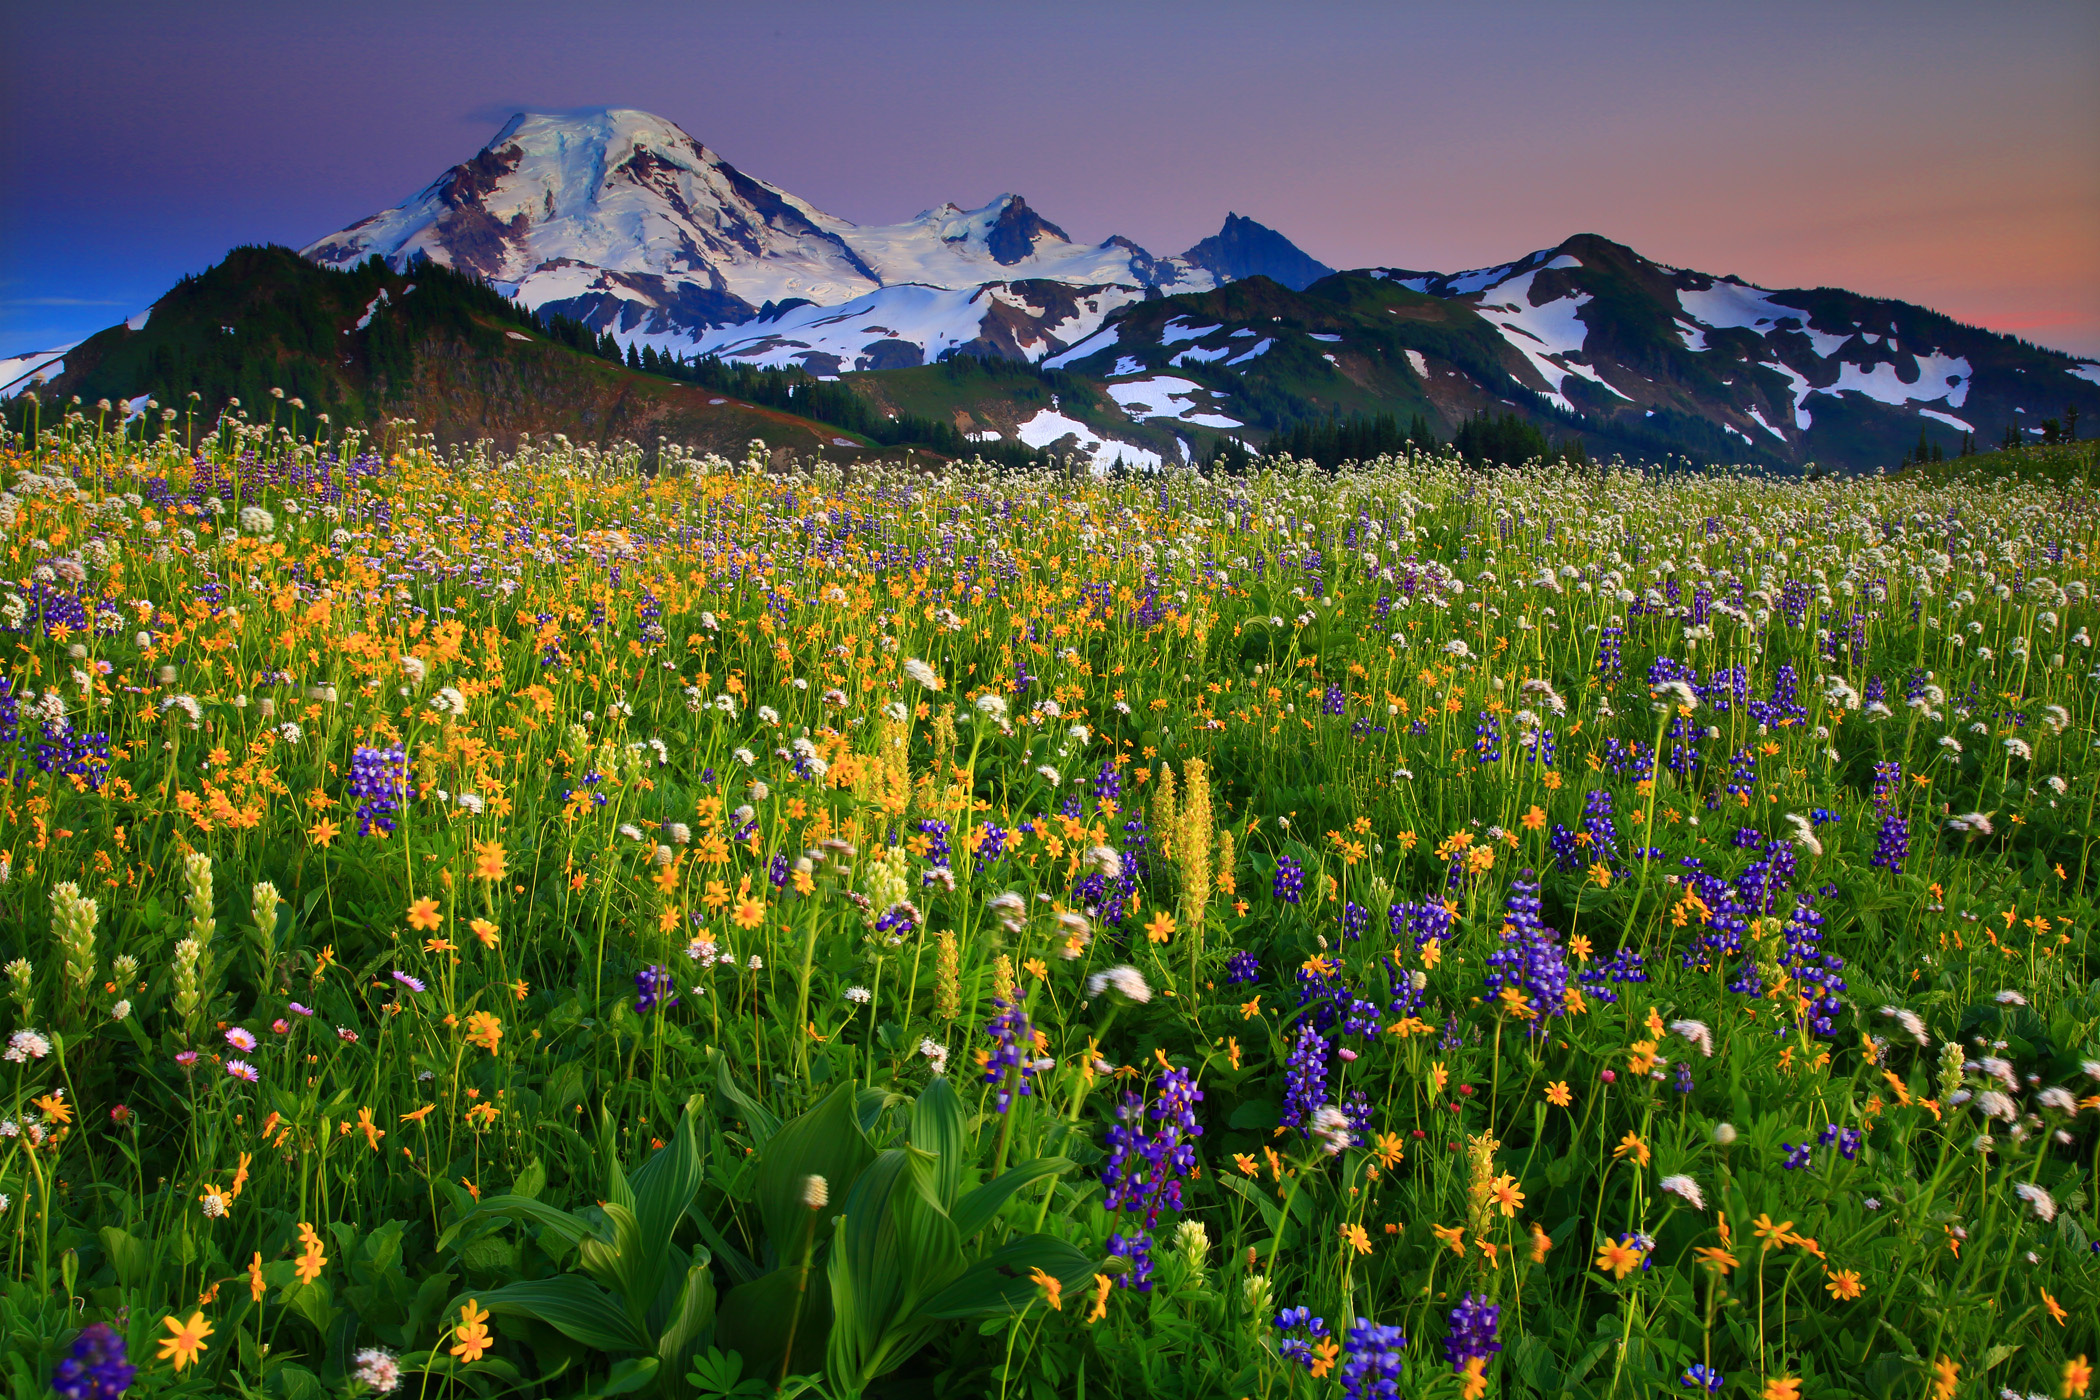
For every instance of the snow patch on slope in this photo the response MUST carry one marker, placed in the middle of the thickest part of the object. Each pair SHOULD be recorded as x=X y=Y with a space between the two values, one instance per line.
x=1544 y=335
x=1165 y=396
x=21 y=373
x=1048 y=426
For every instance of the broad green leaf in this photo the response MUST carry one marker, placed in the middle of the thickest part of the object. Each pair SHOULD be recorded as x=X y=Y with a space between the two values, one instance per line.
x=573 y=1306
x=757 y=1116
x=975 y=1211
x=568 y=1226
x=691 y=1317
x=938 y=1126
x=666 y=1184
x=635 y=1373
x=870 y=1104
x=131 y=1256
x=531 y=1181
x=827 y=1142
x=740 y=1267
x=1001 y=1281
x=755 y=1316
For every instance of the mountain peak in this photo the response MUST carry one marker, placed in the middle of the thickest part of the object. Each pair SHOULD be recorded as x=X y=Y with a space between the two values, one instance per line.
x=1244 y=248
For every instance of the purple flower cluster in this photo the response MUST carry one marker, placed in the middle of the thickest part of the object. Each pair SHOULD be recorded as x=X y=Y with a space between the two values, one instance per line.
x=1487 y=739
x=654 y=990
x=1289 y=884
x=1372 y=1360
x=1300 y=1348
x=1242 y=968
x=1473 y=1324
x=96 y=1369
x=1848 y=1140
x=1150 y=1151
x=1420 y=921
x=1891 y=842
x=1304 y=1079
x=1611 y=664
x=1530 y=958
x=1013 y=1048
x=378 y=779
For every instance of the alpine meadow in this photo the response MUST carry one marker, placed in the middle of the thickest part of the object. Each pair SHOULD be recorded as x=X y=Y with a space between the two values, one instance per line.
x=560 y=923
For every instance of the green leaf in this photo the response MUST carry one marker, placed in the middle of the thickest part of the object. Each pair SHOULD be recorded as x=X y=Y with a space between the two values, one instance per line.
x=693 y=1315
x=757 y=1116
x=722 y=1373
x=938 y=1126
x=975 y=1211
x=741 y=1268
x=1001 y=1282
x=573 y=1306
x=531 y=1181
x=571 y=1228
x=755 y=1318
x=666 y=1184
x=827 y=1142
x=635 y=1373
x=131 y=1256
x=624 y=1262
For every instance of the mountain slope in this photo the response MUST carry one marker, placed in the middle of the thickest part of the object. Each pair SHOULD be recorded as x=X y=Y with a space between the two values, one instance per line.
x=368 y=344
x=1807 y=375
x=1590 y=340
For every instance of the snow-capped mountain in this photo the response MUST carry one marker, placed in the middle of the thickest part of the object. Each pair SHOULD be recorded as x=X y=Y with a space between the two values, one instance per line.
x=622 y=220
x=1602 y=330
x=1588 y=337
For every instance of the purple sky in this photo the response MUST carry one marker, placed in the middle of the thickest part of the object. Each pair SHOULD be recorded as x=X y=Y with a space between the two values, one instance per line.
x=1947 y=154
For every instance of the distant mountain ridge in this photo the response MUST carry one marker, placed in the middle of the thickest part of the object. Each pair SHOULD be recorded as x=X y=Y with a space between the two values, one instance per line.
x=622 y=220
x=636 y=241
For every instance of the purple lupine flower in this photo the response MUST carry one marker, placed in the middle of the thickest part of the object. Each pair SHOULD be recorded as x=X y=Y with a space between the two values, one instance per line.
x=1305 y=1079
x=1372 y=1359
x=96 y=1369
x=378 y=779
x=1299 y=1349
x=1530 y=958
x=1891 y=842
x=654 y=990
x=1137 y=1251
x=1242 y=967
x=1289 y=884
x=1473 y=1324
x=1487 y=739
x=1702 y=1377
x=1013 y=1049
x=1145 y=1168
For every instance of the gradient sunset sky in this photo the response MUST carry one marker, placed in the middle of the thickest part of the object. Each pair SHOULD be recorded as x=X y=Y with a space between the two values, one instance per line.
x=1946 y=154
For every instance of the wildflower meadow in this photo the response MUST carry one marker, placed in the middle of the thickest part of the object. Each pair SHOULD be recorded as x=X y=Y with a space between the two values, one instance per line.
x=580 y=922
